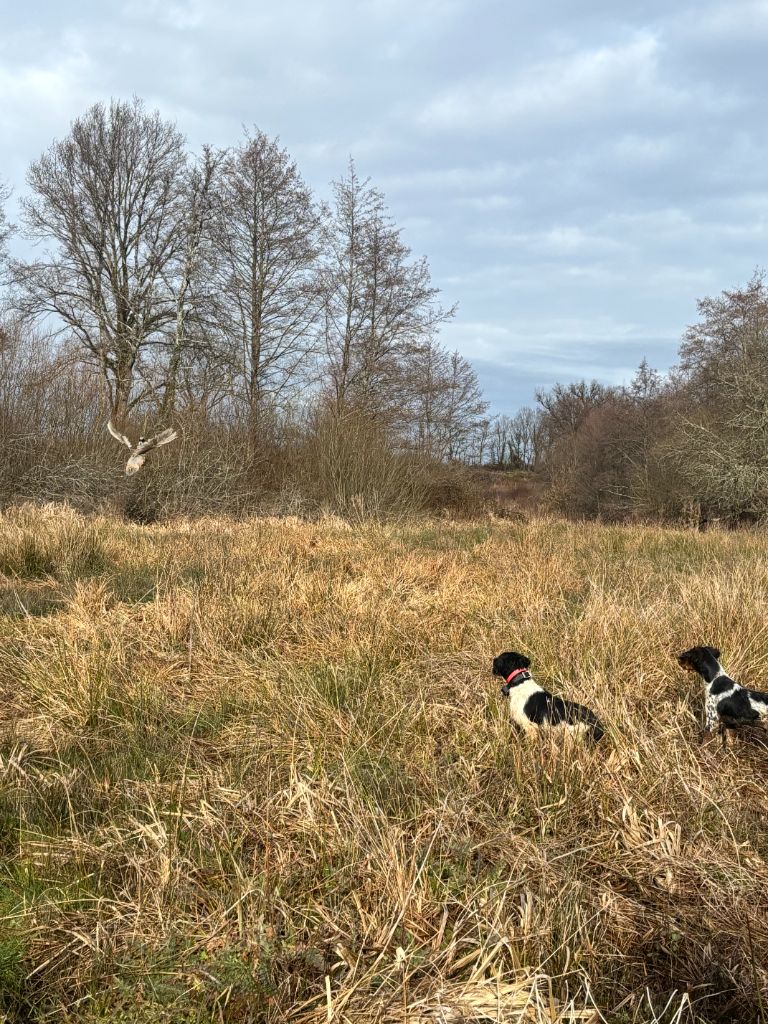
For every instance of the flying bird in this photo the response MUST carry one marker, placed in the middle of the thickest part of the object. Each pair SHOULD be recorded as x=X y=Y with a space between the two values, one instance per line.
x=143 y=446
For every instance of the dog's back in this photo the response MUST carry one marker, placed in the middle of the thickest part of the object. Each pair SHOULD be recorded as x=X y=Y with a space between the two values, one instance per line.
x=740 y=706
x=545 y=708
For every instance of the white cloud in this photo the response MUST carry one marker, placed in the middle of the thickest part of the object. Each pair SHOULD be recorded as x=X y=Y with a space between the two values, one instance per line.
x=626 y=73
x=181 y=14
x=739 y=19
x=688 y=228
x=559 y=240
x=454 y=179
x=39 y=98
x=490 y=203
x=644 y=149
x=541 y=337
x=48 y=89
x=537 y=352
x=425 y=11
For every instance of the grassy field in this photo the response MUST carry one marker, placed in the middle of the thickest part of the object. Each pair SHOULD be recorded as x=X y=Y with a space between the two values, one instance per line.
x=260 y=772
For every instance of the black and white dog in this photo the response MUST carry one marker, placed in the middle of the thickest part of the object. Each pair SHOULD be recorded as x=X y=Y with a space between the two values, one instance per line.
x=534 y=708
x=725 y=702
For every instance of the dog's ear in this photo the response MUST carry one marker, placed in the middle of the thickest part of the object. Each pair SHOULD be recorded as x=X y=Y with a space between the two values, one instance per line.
x=715 y=652
x=526 y=661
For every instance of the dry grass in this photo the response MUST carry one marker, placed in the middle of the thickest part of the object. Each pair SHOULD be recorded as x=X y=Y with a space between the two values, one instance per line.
x=260 y=772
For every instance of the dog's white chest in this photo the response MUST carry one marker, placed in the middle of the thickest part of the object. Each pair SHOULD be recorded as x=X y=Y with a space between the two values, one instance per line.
x=518 y=697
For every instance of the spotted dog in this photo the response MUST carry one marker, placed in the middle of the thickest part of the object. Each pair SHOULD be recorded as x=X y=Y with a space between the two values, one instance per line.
x=533 y=708
x=726 y=704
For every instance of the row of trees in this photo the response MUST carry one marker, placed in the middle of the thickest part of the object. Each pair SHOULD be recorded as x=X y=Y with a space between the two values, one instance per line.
x=219 y=291
x=691 y=444
x=218 y=288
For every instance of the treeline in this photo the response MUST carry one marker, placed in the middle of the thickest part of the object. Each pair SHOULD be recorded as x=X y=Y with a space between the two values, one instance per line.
x=688 y=446
x=295 y=344
x=287 y=336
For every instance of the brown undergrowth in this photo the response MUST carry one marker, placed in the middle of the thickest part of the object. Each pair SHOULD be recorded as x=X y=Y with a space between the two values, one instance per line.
x=259 y=771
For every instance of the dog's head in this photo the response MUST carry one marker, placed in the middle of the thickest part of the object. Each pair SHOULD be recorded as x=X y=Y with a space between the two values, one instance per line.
x=696 y=658
x=512 y=667
x=508 y=662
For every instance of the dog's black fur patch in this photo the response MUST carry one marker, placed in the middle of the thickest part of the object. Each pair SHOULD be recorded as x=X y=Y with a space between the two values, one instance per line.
x=721 y=685
x=736 y=708
x=545 y=707
x=508 y=662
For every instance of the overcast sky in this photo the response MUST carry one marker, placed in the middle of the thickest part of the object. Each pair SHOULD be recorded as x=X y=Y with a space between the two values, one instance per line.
x=577 y=173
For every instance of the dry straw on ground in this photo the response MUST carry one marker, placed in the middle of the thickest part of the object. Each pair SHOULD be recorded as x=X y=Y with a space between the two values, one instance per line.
x=259 y=771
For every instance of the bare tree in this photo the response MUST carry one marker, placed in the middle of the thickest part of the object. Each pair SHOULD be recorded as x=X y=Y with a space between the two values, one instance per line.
x=515 y=439
x=465 y=424
x=378 y=303
x=524 y=438
x=719 y=449
x=5 y=227
x=266 y=244
x=565 y=408
x=499 y=433
x=401 y=312
x=47 y=394
x=109 y=201
x=730 y=338
x=343 y=282
x=448 y=412
x=427 y=382
x=191 y=284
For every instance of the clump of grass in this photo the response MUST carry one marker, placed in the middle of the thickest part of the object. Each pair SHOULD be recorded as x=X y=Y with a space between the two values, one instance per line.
x=70 y=551
x=259 y=771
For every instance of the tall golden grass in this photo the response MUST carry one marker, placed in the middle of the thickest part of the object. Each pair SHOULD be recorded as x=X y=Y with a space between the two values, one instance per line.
x=259 y=771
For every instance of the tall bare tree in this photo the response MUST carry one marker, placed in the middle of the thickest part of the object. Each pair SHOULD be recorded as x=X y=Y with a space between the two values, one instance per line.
x=447 y=413
x=515 y=439
x=565 y=408
x=189 y=279
x=343 y=282
x=379 y=305
x=5 y=226
x=499 y=438
x=266 y=244
x=108 y=201
x=729 y=339
x=718 y=447
x=465 y=424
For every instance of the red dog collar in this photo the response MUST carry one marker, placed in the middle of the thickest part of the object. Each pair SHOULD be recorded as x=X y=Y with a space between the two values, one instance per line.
x=512 y=675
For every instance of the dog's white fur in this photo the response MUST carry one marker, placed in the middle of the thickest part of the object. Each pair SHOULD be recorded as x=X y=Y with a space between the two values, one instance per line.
x=518 y=695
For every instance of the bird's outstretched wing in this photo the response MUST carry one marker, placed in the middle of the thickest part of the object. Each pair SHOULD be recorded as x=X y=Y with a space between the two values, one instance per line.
x=164 y=437
x=118 y=436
